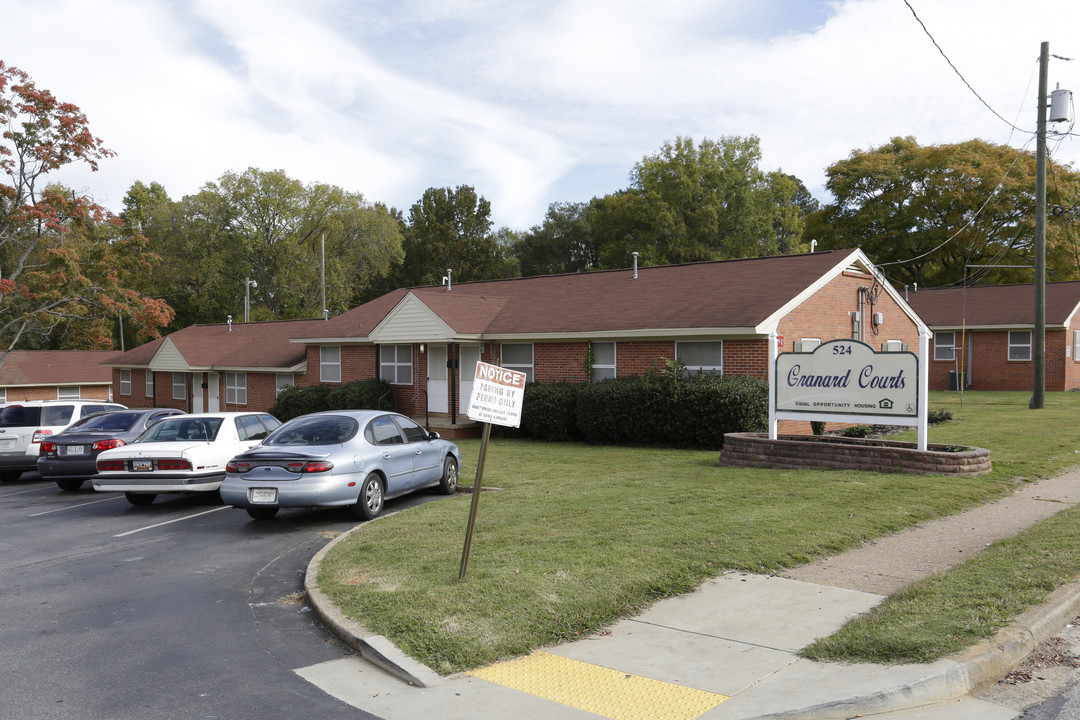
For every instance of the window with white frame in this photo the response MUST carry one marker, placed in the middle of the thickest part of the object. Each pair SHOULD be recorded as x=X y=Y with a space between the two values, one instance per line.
x=283 y=381
x=395 y=364
x=603 y=361
x=69 y=393
x=125 y=382
x=701 y=357
x=1019 y=344
x=330 y=363
x=150 y=384
x=518 y=356
x=179 y=386
x=1076 y=345
x=3 y=395
x=236 y=388
x=944 y=346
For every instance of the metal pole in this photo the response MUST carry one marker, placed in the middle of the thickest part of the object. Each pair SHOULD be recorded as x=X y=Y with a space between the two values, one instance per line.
x=247 y=298
x=1038 y=398
x=322 y=271
x=475 y=501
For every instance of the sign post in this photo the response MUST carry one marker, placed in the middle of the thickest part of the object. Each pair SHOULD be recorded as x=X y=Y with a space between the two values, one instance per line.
x=496 y=398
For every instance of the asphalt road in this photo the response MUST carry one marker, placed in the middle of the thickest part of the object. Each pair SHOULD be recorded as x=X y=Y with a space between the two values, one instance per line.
x=181 y=609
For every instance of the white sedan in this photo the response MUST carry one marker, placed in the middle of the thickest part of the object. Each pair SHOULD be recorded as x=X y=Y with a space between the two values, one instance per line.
x=181 y=454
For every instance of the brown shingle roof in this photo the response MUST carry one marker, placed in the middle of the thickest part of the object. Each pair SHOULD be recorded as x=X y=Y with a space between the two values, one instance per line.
x=725 y=294
x=994 y=305
x=56 y=367
x=246 y=345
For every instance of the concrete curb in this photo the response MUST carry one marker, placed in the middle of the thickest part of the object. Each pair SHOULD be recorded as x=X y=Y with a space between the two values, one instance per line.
x=376 y=649
x=979 y=667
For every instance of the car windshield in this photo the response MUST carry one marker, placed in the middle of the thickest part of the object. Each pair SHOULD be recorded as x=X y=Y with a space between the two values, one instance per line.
x=109 y=422
x=314 y=430
x=182 y=429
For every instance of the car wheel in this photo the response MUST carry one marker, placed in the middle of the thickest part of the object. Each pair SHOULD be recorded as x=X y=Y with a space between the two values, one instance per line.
x=370 y=502
x=262 y=513
x=69 y=484
x=140 y=498
x=448 y=482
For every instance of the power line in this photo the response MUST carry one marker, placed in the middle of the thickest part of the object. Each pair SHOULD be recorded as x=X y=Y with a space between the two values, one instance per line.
x=958 y=73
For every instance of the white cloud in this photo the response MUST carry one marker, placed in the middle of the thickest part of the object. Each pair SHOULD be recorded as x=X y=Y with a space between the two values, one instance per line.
x=530 y=102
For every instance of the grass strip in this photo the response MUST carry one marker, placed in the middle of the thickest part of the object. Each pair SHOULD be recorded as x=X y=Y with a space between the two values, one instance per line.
x=579 y=536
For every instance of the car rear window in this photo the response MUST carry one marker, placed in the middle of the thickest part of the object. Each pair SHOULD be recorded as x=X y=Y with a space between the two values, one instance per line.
x=19 y=415
x=57 y=414
x=111 y=422
x=317 y=430
x=182 y=429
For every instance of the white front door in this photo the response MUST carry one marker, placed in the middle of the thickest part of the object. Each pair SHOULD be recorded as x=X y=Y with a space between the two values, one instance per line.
x=196 y=392
x=438 y=390
x=213 y=392
x=470 y=355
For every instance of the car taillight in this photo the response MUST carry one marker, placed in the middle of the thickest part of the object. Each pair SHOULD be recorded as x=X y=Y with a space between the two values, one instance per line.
x=174 y=464
x=231 y=466
x=105 y=444
x=48 y=447
x=320 y=466
x=110 y=465
x=40 y=435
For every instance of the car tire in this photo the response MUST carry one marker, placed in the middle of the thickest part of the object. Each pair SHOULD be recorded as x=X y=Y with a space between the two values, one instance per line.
x=449 y=480
x=261 y=513
x=140 y=499
x=69 y=484
x=370 y=501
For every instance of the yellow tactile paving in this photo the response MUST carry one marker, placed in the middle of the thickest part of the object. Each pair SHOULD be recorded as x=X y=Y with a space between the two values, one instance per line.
x=598 y=690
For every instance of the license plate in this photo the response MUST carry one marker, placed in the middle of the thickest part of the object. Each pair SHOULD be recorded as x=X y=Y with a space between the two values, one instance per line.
x=76 y=450
x=142 y=465
x=7 y=443
x=264 y=495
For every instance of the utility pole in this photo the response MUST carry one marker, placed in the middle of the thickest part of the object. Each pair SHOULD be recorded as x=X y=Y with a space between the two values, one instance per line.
x=1038 y=342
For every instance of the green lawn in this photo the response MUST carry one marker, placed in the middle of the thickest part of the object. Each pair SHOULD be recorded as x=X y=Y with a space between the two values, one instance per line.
x=572 y=537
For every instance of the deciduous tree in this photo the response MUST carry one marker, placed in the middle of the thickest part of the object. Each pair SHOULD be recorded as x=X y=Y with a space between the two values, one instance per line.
x=63 y=257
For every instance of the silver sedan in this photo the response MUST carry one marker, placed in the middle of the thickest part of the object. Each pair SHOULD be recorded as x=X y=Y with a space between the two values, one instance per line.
x=343 y=458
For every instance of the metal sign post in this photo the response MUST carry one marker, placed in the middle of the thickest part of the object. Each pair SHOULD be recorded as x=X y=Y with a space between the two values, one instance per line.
x=496 y=399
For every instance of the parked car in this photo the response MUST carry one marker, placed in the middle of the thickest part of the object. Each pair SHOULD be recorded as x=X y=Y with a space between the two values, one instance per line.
x=23 y=425
x=180 y=454
x=347 y=458
x=70 y=457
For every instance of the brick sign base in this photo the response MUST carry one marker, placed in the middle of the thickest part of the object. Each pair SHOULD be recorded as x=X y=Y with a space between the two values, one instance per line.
x=802 y=452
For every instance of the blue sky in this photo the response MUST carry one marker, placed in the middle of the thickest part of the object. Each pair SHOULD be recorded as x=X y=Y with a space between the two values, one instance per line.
x=529 y=102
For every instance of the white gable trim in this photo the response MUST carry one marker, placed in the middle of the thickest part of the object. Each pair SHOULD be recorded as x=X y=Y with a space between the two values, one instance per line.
x=411 y=321
x=856 y=258
x=168 y=358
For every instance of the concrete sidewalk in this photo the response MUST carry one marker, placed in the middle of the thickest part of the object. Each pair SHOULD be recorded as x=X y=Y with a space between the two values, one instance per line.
x=727 y=651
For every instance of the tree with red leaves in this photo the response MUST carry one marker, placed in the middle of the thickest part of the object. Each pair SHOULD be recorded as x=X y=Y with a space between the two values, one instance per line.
x=66 y=263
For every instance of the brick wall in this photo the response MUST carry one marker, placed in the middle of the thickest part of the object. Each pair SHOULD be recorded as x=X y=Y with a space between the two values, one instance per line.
x=50 y=392
x=991 y=369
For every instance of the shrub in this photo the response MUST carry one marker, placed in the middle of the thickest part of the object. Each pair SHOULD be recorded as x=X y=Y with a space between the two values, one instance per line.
x=295 y=401
x=936 y=417
x=856 y=431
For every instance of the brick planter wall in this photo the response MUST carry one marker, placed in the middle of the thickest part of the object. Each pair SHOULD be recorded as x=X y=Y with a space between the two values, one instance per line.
x=801 y=452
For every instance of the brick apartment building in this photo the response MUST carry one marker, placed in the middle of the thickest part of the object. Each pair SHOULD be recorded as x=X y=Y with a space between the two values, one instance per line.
x=56 y=375
x=984 y=335
x=583 y=327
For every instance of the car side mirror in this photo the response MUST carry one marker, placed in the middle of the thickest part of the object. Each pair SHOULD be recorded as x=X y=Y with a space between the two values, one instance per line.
x=432 y=435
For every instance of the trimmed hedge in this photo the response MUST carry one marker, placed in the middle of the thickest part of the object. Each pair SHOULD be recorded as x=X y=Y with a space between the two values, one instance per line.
x=295 y=401
x=665 y=409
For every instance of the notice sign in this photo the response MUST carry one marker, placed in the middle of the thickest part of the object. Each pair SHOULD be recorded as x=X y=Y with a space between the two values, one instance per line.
x=497 y=395
x=847 y=377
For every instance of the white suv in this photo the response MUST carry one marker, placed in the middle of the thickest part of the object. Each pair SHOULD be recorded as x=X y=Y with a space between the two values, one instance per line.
x=24 y=424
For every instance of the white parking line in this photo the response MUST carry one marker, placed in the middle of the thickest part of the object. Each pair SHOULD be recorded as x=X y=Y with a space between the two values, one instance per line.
x=169 y=522
x=69 y=507
x=22 y=492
